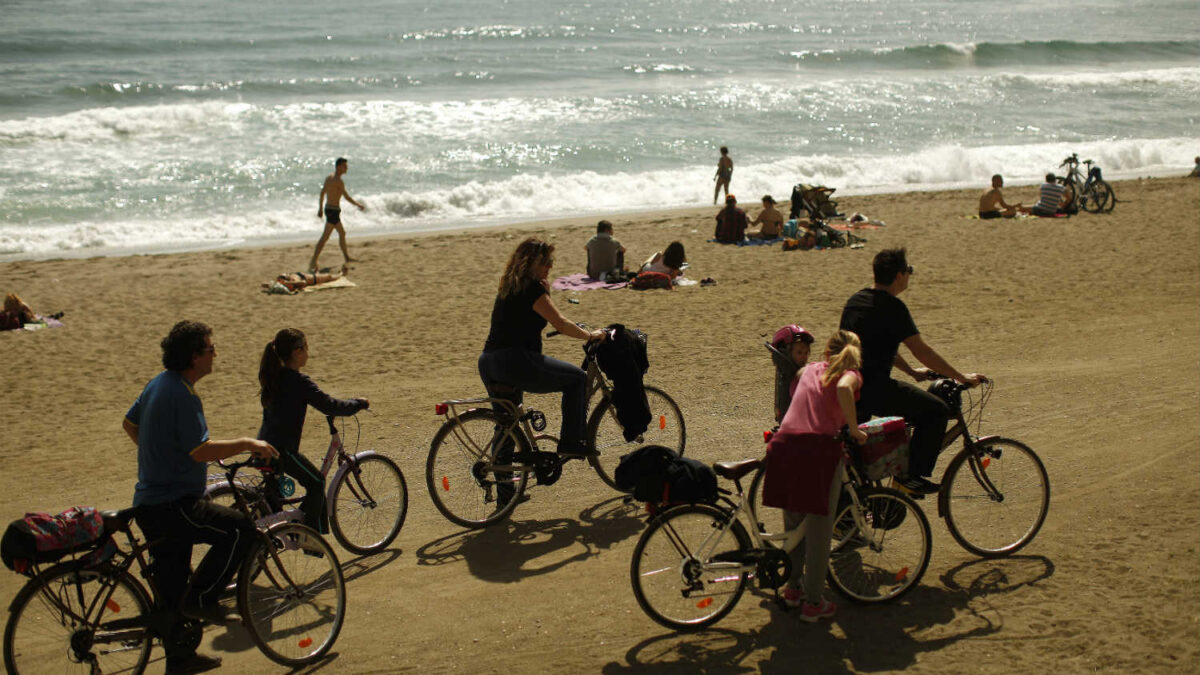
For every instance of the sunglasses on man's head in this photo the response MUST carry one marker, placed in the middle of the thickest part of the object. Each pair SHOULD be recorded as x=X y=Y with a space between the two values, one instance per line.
x=908 y=270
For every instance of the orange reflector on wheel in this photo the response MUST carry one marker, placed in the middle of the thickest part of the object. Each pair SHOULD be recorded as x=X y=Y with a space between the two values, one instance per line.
x=662 y=422
x=112 y=606
x=902 y=574
x=704 y=603
x=445 y=483
x=985 y=462
x=306 y=642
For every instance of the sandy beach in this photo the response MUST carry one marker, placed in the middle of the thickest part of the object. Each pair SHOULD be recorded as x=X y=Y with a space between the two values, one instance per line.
x=1090 y=326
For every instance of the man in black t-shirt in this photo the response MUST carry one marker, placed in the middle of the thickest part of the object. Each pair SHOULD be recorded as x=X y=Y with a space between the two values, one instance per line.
x=883 y=323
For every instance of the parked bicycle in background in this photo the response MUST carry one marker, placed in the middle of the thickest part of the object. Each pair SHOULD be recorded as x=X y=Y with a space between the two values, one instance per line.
x=1092 y=194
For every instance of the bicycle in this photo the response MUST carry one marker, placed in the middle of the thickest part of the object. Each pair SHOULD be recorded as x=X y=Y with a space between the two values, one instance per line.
x=481 y=458
x=367 y=500
x=995 y=491
x=1094 y=194
x=290 y=593
x=693 y=562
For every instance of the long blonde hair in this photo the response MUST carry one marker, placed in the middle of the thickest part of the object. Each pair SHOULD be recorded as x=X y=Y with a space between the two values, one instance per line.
x=520 y=269
x=844 y=352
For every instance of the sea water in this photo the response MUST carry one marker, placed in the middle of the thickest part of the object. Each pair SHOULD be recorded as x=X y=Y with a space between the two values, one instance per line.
x=149 y=125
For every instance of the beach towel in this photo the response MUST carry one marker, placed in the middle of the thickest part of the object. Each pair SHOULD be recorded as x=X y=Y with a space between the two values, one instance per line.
x=582 y=282
x=748 y=242
x=340 y=282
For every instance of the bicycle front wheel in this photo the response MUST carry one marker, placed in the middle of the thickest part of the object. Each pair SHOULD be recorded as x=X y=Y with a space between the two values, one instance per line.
x=677 y=575
x=886 y=559
x=606 y=435
x=461 y=469
x=82 y=621
x=292 y=595
x=995 y=497
x=369 y=501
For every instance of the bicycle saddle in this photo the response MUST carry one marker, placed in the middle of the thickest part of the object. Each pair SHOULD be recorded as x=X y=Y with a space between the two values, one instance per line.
x=735 y=470
x=118 y=521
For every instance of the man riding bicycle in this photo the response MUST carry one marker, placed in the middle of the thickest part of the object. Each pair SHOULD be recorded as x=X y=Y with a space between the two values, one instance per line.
x=883 y=323
x=167 y=424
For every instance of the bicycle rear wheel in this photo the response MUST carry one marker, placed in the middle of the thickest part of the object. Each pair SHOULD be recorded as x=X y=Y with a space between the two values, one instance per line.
x=1096 y=197
x=64 y=620
x=292 y=597
x=460 y=473
x=889 y=557
x=370 y=501
x=673 y=574
x=995 y=497
x=606 y=435
x=1071 y=190
x=1112 y=197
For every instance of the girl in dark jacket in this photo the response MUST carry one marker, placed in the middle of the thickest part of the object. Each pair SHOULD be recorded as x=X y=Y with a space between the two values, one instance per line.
x=286 y=394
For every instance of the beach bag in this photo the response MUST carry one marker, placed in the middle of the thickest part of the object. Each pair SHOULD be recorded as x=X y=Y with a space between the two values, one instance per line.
x=657 y=475
x=44 y=538
x=647 y=280
x=789 y=229
x=885 y=453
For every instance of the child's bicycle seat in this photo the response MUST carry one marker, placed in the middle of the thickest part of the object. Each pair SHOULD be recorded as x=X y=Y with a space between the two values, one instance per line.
x=785 y=372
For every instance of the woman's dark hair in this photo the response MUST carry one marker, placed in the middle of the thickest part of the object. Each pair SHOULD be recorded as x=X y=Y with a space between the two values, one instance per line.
x=520 y=268
x=183 y=343
x=673 y=257
x=888 y=263
x=274 y=357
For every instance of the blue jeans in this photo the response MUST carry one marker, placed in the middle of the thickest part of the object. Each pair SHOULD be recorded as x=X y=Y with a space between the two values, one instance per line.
x=537 y=373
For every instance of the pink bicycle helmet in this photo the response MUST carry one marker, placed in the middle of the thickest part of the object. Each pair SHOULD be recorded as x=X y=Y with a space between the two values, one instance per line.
x=784 y=337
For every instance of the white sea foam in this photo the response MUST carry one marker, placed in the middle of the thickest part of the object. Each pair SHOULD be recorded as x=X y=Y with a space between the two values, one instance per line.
x=530 y=196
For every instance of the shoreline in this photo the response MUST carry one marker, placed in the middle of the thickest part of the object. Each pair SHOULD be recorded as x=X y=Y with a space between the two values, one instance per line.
x=497 y=223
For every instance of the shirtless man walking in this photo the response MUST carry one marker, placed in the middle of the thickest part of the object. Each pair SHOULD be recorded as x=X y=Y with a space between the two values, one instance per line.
x=331 y=197
x=724 y=173
x=992 y=204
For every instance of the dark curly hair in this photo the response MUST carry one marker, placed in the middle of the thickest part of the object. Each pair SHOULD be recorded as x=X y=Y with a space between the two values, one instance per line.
x=183 y=343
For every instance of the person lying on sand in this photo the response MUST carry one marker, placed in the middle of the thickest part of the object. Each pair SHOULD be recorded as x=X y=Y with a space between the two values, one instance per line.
x=298 y=280
x=16 y=313
x=992 y=204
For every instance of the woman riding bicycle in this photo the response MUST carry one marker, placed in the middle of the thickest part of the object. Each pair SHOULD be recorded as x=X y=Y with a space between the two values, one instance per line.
x=804 y=465
x=286 y=394
x=512 y=361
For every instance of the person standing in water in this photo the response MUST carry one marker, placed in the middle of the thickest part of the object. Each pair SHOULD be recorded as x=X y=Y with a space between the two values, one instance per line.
x=724 y=173
x=329 y=205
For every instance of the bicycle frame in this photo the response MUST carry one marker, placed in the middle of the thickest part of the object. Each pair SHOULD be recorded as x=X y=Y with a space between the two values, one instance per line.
x=977 y=464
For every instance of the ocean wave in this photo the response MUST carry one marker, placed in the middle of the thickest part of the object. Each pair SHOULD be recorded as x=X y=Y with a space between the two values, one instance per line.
x=1004 y=54
x=113 y=123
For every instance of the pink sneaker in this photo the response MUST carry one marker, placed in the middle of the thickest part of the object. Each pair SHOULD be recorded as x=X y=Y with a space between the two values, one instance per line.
x=792 y=597
x=811 y=612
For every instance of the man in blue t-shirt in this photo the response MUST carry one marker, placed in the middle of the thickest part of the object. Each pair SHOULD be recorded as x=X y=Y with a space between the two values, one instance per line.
x=883 y=323
x=167 y=424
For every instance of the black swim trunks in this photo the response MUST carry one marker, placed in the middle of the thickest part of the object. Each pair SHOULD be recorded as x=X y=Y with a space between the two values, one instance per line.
x=988 y=215
x=333 y=215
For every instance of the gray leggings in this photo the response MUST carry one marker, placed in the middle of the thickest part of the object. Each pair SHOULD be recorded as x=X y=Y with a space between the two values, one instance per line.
x=813 y=551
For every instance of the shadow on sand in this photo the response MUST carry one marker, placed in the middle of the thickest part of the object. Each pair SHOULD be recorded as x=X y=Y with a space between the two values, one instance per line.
x=509 y=551
x=879 y=638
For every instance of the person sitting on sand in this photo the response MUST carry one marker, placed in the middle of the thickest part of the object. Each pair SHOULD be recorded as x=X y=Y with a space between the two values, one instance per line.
x=1195 y=170
x=770 y=220
x=16 y=313
x=299 y=280
x=512 y=361
x=669 y=262
x=731 y=223
x=606 y=255
x=992 y=204
x=1052 y=197
x=285 y=396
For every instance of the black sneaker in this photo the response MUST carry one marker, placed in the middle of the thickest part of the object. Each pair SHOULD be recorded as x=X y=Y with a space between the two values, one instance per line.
x=196 y=663
x=919 y=485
